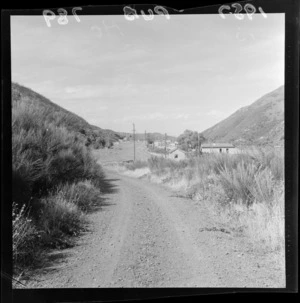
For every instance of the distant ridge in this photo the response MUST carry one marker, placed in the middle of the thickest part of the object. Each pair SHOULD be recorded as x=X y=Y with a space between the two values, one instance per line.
x=261 y=123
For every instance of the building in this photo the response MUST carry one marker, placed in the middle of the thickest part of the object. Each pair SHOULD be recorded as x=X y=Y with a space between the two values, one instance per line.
x=218 y=148
x=176 y=154
x=158 y=144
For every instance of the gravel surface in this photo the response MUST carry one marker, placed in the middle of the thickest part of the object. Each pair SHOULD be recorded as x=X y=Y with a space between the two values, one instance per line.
x=145 y=236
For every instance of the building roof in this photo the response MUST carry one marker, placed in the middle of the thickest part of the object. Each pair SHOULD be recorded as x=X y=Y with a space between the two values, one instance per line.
x=176 y=149
x=217 y=145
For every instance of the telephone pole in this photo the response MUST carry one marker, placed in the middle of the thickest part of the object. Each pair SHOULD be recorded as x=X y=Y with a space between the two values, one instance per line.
x=199 y=145
x=133 y=142
x=145 y=138
x=165 y=145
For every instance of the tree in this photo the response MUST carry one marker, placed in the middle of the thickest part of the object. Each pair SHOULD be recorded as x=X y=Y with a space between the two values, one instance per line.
x=189 y=140
x=150 y=140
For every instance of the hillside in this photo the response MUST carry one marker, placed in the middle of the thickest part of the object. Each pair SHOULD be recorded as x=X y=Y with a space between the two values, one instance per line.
x=261 y=123
x=92 y=134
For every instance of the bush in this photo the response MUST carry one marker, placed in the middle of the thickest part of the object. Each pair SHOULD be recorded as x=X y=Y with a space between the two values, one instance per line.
x=277 y=167
x=136 y=165
x=159 y=165
x=24 y=236
x=83 y=194
x=247 y=183
x=53 y=172
x=45 y=156
x=59 y=217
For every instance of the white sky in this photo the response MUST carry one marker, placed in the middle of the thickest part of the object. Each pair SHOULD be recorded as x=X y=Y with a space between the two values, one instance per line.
x=189 y=72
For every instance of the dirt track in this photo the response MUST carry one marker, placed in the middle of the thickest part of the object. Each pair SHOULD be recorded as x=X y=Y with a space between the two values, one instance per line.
x=145 y=236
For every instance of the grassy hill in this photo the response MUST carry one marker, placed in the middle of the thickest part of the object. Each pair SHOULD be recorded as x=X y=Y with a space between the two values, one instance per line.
x=261 y=123
x=92 y=135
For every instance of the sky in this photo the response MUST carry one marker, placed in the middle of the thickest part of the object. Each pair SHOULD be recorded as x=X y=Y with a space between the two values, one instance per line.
x=188 y=72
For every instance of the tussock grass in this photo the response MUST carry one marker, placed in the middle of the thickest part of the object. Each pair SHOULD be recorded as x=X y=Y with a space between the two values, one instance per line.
x=247 y=183
x=85 y=195
x=58 y=217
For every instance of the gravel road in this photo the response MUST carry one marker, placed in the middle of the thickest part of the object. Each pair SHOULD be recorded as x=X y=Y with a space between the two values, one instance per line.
x=145 y=236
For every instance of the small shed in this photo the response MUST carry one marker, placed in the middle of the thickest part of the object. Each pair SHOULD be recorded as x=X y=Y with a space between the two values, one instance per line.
x=218 y=148
x=176 y=154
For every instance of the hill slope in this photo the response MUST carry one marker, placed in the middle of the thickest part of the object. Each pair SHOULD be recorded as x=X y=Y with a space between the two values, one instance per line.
x=261 y=123
x=93 y=135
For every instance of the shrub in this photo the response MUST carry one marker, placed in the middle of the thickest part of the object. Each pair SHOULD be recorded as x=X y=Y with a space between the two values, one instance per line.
x=45 y=155
x=247 y=183
x=277 y=167
x=160 y=165
x=136 y=165
x=59 y=217
x=269 y=158
x=83 y=194
x=264 y=223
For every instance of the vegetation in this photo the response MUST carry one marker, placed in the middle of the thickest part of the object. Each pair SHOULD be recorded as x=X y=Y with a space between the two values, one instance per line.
x=244 y=191
x=190 y=140
x=150 y=139
x=136 y=165
x=56 y=181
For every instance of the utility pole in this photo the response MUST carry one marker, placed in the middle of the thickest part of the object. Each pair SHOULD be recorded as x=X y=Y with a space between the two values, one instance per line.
x=145 y=138
x=198 y=146
x=133 y=142
x=165 y=145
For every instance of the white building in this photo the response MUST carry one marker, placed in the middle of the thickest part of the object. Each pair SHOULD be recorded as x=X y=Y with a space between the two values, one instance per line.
x=176 y=154
x=219 y=148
